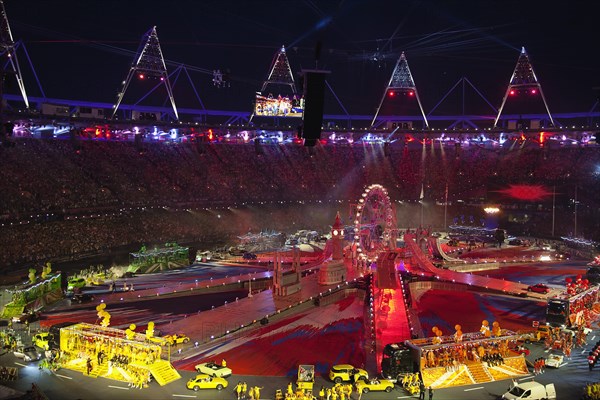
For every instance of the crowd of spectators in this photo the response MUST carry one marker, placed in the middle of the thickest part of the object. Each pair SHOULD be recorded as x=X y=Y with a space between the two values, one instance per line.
x=67 y=178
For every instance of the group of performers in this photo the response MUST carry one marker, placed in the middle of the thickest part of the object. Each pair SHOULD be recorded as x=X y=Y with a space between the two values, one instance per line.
x=591 y=391
x=282 y=106
x=452 y=355
x=539 y=366
x=8 y=340
x=8 y=373
x=565 y=341
x=339 y=391
x=244 y=392
x=411 y=383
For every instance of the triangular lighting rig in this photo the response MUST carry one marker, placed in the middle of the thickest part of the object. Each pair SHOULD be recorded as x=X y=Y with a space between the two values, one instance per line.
x=523 y=81
x=401 y=81
x=148 y=63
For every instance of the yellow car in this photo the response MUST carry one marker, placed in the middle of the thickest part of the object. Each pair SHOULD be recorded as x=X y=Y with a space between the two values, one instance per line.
x=203 y=381
x=42 y=340
x=97 y=280
x=159 y=340
x=213 y=369
x=544 y=331
x=374 y=385
x=176 y=338
x=75 y=283
x=346 y=372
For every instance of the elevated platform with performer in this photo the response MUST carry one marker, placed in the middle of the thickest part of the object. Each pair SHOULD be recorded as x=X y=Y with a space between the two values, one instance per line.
x=113 y=353
x=446 y=361
x=459 y=359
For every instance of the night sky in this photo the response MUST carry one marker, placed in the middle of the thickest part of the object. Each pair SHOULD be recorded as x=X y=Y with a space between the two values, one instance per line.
x=83 y=49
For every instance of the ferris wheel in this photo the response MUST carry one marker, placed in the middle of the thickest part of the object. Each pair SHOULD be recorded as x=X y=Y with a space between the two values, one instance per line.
x=374 y=223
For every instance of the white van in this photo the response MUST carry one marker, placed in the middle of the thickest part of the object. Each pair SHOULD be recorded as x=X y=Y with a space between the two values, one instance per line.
x=531 y=391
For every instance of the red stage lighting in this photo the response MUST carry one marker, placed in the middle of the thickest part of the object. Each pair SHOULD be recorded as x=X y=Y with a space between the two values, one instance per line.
x=162 y=78
x=391 y=93
x=512 y=92
x=533 y=91
x=411 y=93
x=141 y=76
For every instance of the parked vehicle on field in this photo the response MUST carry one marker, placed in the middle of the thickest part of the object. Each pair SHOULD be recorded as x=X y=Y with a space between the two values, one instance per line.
x=538 y=288
x=29 y=353
x=203 y=381
x=176 y=338
x=42 y=340
x=26 y=317
x=531 y=391
x=374 y=385
x=213 y=369
x=347 y=373
x=554 y=361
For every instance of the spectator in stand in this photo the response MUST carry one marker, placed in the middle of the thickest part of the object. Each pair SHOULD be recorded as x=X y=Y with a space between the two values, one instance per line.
x=127 y=195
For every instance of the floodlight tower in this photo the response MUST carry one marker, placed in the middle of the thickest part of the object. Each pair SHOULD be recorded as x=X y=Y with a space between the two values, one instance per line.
x=523 y=78
x=7 y=46
x=148 y=63
x=401 y=79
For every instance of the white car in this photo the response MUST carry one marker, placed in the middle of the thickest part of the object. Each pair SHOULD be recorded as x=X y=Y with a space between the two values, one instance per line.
x=29 y=353
x=554 y=361
x=213 y=369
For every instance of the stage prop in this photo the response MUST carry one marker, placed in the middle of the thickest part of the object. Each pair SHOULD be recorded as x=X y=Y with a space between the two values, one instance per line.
x=123 y=355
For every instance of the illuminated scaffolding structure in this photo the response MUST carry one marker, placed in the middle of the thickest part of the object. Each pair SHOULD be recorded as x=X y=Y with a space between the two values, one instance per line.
x=148 y=63
x=7 y=46
x=401 y=80
x=523 y=79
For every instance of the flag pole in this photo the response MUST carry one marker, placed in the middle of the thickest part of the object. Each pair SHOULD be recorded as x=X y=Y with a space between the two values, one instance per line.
x=553 y=208
x=446 y=209
x=421 y=198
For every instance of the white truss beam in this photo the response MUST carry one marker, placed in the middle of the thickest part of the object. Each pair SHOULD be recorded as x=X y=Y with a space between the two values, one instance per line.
x=7 y=46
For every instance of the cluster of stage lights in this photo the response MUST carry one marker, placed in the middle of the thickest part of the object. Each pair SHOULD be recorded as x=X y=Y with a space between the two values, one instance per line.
x=394 y=93
x=514 y=92
x=491 y=210
x=142 y=76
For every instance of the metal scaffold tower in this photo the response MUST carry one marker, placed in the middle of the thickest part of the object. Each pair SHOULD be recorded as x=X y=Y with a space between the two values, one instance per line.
x=148 y=63
x=401 y=80
x=280 y=72
x=7 y=46
x=523 y=79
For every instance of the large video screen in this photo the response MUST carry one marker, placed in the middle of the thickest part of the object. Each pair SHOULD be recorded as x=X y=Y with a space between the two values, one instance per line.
x=278 y=106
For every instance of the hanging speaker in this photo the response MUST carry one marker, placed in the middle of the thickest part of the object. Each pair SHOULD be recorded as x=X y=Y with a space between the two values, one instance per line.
x=314 y=97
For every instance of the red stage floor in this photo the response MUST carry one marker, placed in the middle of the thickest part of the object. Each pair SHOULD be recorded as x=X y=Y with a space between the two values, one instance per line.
x=322 y=336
